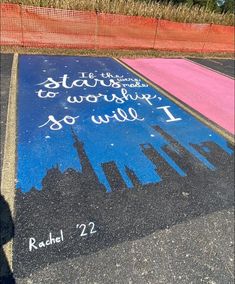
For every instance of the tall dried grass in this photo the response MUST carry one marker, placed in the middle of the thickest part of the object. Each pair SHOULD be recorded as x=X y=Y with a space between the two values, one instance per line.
x=179 y=13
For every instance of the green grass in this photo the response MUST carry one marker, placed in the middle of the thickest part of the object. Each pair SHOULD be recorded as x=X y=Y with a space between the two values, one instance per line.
x=179 y=13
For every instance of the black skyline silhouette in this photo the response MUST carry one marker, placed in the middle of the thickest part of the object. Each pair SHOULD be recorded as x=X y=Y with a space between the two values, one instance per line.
x=181 y=156
x=74 y=197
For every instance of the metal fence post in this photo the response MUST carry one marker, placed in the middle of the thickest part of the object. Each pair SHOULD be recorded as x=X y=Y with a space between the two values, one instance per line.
x=205 y=39
x=22 y=29
x=156 y=32
x=96 y=29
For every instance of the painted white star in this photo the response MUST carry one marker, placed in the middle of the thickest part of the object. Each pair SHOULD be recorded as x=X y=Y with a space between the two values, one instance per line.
x=112 y=144
x=47 y=137
x=152 y=135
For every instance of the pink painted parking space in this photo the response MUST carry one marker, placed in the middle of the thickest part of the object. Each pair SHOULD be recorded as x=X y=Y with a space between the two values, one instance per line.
x=208 y=92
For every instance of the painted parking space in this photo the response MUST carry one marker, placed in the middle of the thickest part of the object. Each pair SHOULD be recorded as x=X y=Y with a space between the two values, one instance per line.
x=96 y=146
x=208 y=92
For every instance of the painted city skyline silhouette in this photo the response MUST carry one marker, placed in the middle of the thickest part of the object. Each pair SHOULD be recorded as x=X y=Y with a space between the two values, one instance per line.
x=186 y=161
x=124 y=214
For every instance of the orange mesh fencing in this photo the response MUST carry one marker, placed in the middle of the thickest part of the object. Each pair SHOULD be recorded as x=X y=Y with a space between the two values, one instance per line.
x=181 y=36
x=47 y=27
x=11 y=25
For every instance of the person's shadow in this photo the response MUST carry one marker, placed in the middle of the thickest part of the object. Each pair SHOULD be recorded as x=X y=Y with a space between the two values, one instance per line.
x=6 y=234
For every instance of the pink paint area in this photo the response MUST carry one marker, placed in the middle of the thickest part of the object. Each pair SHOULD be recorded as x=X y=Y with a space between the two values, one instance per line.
x=208 y=92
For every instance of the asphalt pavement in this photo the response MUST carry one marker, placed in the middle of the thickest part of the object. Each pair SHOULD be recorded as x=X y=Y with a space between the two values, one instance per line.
x=5 y=77
x=77 y=229
x=224 y=66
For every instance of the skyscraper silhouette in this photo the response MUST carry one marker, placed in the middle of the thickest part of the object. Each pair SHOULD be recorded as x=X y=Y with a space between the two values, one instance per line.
x=162 y=167
x=114 y=176
x=87 y=169
x=182 y=157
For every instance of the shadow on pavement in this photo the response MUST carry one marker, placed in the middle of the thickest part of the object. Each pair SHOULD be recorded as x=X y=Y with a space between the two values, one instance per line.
x=6 y=234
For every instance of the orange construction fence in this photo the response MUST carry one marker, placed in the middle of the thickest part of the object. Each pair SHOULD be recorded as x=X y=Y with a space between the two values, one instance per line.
x=47 y=27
